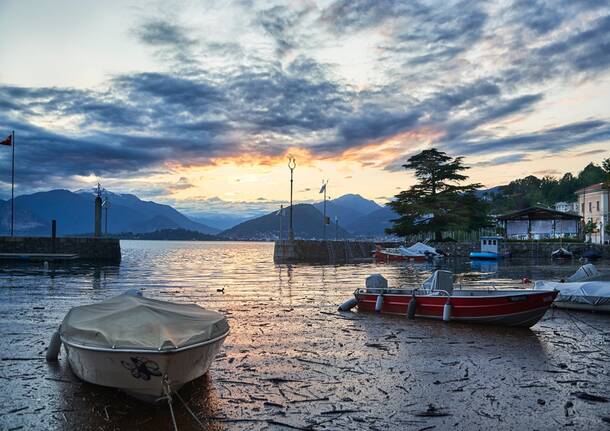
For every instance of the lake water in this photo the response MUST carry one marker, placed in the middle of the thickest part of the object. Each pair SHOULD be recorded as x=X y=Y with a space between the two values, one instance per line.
x=374 y=371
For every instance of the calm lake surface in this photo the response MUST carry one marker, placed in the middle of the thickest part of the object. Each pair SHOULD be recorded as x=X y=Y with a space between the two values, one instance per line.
x=292 y=359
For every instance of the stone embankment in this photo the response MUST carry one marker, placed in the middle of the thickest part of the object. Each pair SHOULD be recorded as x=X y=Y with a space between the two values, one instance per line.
x=314 y=251
x=90 y=249
x=523 y=249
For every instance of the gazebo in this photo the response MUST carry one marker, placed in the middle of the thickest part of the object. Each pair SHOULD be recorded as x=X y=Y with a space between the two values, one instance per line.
x=540 y=223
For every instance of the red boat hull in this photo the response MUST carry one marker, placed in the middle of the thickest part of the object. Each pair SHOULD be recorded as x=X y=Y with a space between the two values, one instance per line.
x=508 y=309
x=387 y=257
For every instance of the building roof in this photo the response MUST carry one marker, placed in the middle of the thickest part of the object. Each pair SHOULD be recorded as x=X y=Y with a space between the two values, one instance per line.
x=592 y=188
x=538 y=213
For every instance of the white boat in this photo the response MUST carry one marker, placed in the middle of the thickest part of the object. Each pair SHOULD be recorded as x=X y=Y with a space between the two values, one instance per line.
x=144 y=347
x=579 y=295
x=417 y=252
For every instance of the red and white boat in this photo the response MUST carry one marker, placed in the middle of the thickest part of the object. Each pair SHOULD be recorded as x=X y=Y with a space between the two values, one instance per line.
x=437 y=299
x=418 y=252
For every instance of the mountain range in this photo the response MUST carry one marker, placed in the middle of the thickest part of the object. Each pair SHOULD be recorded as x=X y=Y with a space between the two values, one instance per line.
x=307 y=223
x=128 y=214
x=356 y=217
x=74 y=212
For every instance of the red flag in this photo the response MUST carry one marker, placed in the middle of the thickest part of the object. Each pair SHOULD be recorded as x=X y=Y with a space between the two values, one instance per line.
x=8 y=141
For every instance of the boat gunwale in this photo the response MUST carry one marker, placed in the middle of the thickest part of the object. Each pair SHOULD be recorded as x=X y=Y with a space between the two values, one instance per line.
x=152 y=351
x=502 y=294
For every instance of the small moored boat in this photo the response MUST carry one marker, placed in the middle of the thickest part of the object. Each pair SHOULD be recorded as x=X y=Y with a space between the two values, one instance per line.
x=587 y=289
x=418 y=252
x=490 y=249
x=437 y=299
x=584 y=295
x=145 y=347
x=562 y=253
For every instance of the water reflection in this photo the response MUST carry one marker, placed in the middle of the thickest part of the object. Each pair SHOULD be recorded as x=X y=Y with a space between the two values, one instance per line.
x=490 y=266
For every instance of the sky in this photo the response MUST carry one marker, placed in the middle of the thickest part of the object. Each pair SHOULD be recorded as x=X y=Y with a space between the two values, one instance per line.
x=198 y=104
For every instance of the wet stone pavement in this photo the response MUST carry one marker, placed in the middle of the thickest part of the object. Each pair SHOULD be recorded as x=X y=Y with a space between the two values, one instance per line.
x=293 y=362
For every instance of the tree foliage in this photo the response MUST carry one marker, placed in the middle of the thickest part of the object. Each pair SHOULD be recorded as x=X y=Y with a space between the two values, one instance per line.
x=533 y=191
x=438 y=202
x=606 y=169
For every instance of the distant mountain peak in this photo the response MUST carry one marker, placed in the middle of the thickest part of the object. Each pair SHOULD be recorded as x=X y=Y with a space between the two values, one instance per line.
x=74 y=213
x=357 y=203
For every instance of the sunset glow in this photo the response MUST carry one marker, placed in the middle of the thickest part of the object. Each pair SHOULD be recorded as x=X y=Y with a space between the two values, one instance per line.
x=199 y=104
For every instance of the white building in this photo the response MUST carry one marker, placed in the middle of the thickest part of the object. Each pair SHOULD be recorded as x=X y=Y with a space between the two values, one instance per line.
x=593 y=207
x=540 y=223
x=567 y=207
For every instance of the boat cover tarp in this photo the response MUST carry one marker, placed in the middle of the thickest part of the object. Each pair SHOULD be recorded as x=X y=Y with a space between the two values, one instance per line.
x=589 y=292
x=406 y=251
x=416 y=250
x=585 y=272
x=422 y=248
x=126 y=321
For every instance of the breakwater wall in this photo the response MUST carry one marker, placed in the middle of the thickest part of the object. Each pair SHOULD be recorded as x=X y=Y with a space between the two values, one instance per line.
x=90 y=249
x=314 y=251
x=524 y=249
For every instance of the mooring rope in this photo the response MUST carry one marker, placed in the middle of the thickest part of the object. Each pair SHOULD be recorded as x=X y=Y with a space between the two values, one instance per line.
x=168 y=397
x=189 y=410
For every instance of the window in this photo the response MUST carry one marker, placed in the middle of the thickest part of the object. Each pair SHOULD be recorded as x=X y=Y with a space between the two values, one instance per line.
x=590 y=206
x=583 y=207
x=597 y=205
x=484 y=242
x=493 y=242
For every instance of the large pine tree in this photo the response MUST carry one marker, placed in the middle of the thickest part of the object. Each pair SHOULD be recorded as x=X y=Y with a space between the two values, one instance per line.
x=438 y=202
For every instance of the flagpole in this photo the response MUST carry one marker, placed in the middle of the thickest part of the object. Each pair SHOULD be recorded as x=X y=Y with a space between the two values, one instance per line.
x=324 y=216
x=13 y=188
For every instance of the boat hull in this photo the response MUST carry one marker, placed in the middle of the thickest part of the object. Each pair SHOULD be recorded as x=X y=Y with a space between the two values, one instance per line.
x=485 y=255
x=141 y=373
x=514 y=308
x=382 y=256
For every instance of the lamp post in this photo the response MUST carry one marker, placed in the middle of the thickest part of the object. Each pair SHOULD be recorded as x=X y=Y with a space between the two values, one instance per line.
x=292 y=163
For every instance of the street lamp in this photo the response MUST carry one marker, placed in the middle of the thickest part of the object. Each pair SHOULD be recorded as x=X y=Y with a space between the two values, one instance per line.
x=292 y=163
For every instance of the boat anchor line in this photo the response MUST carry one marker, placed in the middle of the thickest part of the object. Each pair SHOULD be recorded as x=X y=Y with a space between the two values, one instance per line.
x=167 y=395
x=142 y=368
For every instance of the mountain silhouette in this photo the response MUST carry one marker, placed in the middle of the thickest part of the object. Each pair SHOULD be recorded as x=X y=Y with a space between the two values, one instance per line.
x=74 y=212
x=307 y=222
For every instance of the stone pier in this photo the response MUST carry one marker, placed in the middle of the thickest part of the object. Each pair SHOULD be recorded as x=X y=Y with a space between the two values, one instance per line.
x=317 y=251
x=65 y=248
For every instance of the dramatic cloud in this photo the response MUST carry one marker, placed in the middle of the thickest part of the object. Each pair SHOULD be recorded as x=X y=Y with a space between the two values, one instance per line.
x=329 y=82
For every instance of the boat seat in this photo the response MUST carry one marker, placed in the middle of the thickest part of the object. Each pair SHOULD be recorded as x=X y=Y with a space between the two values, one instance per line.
x=439 y=280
